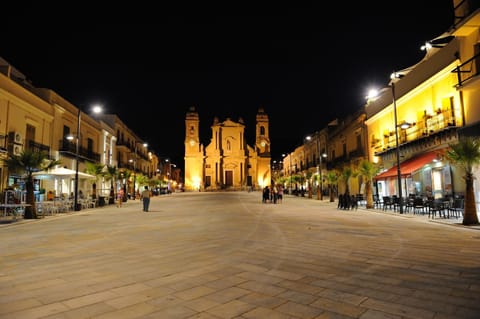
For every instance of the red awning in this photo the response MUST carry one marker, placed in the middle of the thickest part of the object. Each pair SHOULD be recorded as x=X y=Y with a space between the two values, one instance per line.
x=409 y=166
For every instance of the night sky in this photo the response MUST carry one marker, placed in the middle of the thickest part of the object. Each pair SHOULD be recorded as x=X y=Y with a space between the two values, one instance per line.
x=305 y=67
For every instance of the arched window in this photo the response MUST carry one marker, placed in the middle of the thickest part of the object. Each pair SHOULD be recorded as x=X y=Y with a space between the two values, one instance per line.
x=262 y=130
x=229 y=146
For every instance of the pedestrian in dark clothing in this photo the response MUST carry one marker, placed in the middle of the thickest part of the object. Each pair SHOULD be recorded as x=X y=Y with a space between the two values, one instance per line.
x=145 y=196
x=266 y=195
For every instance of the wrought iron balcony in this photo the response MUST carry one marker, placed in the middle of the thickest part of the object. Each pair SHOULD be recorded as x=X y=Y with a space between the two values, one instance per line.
x=467 y=70
x=68 y=148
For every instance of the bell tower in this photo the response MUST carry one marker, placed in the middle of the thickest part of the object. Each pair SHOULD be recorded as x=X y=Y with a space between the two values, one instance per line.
x=193 y=151
x=262 y=146
x=262 y=140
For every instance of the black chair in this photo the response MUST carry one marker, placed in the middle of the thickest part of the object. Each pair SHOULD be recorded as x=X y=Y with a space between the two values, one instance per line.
x=377 y=203
x=397 y=202
x=361 y=200
x=435 y=206
x=410 y=204
x=387 y=202
x=456 y=208
x=419 y=205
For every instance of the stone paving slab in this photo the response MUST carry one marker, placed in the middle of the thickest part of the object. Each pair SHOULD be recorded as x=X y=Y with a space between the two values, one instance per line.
x=228 y=255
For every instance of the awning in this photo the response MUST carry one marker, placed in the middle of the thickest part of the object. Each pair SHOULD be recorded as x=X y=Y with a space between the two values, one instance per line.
x=409 y=166
x=61 y=172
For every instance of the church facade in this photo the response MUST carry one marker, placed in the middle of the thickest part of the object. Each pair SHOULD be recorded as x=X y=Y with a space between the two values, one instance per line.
x=228 y=162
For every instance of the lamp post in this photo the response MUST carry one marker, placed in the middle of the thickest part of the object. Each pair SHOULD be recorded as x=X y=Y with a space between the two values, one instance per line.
x=135 y=169
x=320 y=165
x=403 y=126
x=76 y=207
x=290 y=173
x=322 y=155
x=397 y=146
x=96 y=109
x=169 y=174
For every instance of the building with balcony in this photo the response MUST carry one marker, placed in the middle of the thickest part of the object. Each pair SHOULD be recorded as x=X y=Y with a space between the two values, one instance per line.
x=39 y=119
x=435 y=102
x=133 y=156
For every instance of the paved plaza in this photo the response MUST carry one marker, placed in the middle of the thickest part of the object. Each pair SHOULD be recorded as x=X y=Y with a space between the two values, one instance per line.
x=228 y=255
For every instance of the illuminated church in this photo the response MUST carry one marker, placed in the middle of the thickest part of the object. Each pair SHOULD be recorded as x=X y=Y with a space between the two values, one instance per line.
x=227 y=163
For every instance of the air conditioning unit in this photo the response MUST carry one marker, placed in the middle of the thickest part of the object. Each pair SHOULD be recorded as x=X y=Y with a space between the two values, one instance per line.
x=15 y=137
x=15 y=149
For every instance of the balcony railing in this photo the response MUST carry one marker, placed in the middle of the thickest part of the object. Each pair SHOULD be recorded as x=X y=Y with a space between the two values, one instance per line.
x=430 y=124
x=467 y=70
x=37 y=147
x=68 y=148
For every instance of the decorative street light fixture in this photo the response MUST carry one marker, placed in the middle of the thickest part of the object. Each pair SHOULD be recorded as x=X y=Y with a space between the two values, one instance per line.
x=397 y=146
x=290 y=173
x=403 y=126
x=95 y=109
x=320 y=165
x=169 y=174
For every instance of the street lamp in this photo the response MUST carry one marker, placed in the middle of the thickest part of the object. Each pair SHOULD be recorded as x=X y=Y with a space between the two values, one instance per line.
x=321 y=156
x=403 y=126
x=320 y=165
x=169 y=174
x=397 y=146
x=95 y=109
x=135 y=169
x=290 y=173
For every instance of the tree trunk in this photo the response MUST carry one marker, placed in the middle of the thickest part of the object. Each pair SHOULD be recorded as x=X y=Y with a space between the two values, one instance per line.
x=369 y=194
x=30 y=211
x=470 y=209
x=94 y=191
x=330 y=191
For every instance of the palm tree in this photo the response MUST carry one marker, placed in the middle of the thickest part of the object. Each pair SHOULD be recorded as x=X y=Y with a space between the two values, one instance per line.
x=142 y=180
x=466 y=154
x=111 y=174
x=316 y=178
x=26 y=164
x=94 y=169
x=297 y=179
x=332 y=179
x=346 y=174
x=368 y=170
x=308 y=176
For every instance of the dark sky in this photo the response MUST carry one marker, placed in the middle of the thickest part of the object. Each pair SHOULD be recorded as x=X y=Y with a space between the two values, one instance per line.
x=305 y=67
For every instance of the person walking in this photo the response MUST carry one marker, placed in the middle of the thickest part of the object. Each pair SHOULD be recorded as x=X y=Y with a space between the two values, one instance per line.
x=280 y=193
x=266 y=194
x=120 y=197
x=145 y=196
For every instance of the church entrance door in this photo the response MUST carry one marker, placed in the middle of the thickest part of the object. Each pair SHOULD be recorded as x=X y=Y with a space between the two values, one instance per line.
x=228 y=178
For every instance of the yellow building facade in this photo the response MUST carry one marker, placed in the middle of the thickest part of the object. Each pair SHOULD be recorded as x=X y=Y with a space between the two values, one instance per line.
x=40 y=120
x=228 y=162
x=435 y=102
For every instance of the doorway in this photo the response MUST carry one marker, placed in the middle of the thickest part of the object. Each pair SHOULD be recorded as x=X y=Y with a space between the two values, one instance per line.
x=228 y=178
